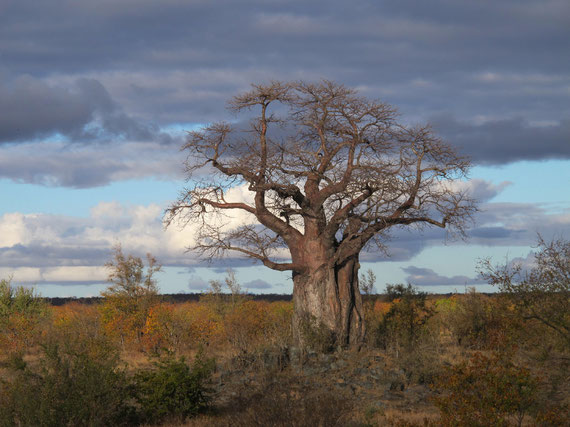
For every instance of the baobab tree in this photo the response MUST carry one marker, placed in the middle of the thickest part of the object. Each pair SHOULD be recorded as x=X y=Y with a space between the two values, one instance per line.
x=329 y=173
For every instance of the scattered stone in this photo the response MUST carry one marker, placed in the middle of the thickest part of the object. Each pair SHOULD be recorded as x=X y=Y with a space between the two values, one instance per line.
x=397 y=386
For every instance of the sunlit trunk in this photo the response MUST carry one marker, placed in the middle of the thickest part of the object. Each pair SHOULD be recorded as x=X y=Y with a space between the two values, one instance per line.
x=330 y=299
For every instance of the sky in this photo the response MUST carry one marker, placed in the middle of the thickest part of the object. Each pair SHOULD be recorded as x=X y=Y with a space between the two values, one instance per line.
x=96 y=98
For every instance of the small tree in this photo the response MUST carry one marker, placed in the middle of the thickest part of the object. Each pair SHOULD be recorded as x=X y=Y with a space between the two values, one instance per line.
x=21 y=311
x=132 y=292
x=221 y=302
x=367 y=283
x=541 y=293
x=19 y=299
x=329 y=174
x=404 y=323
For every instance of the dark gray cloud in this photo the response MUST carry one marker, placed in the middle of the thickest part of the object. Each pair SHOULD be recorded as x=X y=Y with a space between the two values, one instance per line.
x=111 y=78
x=43 y=255
x=32 y=109
x=504 y=141
x=491 y=233
x=126 y=69
x=514 y=223
x=81 y=112
x=66 y=165
x=427 y=277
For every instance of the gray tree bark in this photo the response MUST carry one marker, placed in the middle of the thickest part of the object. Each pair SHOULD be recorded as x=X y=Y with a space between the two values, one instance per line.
x=330 y=299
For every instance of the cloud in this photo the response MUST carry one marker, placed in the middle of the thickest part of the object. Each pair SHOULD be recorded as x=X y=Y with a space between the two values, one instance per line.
x=427 y=277
x=62 y=275
x=176 y=60
x=496 y=224
x=111 y=79
x=515 y=223
x=42 y=240
x=503 y=141
x=47 y=248
x=30 y=108
x=81 y=111
x=479 y=189
x=196 y=283
x=257 y=284
x=64 y=165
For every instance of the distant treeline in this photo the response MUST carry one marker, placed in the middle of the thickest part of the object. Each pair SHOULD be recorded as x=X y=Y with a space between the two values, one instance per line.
x=173 y=298
x=180 y=298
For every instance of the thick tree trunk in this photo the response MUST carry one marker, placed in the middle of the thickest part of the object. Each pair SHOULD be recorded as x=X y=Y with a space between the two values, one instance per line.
x=328 y=301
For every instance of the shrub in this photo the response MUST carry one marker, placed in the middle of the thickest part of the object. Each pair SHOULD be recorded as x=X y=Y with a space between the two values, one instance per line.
x=160 y=332
x=19 y=299
x=130 y=296
x=279 y=404
x=477 y=321
x=22 y=312
x=78 y=329
x=404 y=323
x=279 y=328
x=541 y=294
x=245 y=325
x=66 y=389
x=173 y=389
x=367 y=282
x=485 y=391
x=218 y=301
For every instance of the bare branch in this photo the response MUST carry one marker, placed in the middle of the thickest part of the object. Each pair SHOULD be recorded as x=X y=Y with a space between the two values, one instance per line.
x=327 y=170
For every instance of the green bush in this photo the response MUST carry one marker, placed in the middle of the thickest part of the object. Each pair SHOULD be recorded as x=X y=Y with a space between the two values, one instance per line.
x=66 y=389
x=74 y=388
x=405 y=323
x=22 y=313
x=19 y=300
x=173 y=389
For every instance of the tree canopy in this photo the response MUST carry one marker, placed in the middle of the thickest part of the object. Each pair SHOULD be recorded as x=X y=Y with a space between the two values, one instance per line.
x=318 y=160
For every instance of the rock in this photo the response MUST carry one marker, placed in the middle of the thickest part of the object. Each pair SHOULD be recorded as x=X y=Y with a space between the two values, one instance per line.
x=294 y=354
x=310 y=370
x=374 y=377
x=361 y=371
x=379 y=405
x=397 y=386
x=276 y=359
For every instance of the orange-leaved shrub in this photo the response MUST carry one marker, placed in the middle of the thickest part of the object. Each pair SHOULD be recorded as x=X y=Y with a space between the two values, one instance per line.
x=486 y=390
